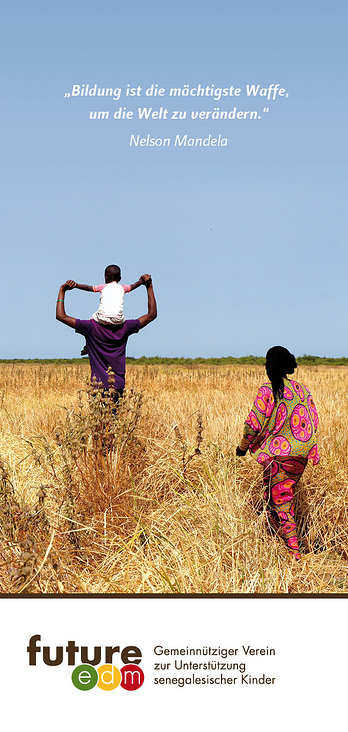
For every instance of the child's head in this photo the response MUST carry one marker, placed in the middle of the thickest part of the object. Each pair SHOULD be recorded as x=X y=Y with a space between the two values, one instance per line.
x=112 y=273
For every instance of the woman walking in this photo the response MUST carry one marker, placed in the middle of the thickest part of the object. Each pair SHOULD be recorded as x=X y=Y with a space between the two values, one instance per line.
x=280 y=434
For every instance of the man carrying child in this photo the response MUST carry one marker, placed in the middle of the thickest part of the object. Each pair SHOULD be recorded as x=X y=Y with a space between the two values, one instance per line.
x=106 y=343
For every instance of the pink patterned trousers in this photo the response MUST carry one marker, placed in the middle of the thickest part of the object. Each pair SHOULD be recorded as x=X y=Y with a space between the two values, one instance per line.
x=279 y=478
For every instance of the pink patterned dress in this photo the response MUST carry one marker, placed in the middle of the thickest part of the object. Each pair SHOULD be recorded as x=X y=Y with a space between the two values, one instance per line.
x=281 y=436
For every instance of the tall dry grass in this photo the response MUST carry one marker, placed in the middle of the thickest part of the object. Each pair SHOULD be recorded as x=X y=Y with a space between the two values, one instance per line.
x=155 y=500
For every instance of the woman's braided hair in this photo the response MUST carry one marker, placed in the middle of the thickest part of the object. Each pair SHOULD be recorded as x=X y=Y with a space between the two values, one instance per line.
x=279 y=363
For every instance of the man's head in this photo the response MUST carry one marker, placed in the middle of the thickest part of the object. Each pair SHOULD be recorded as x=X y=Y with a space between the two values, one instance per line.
x=112 y=273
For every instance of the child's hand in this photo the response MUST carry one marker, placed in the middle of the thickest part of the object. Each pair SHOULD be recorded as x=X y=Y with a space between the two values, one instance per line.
x=69 y=285
x=240 y=452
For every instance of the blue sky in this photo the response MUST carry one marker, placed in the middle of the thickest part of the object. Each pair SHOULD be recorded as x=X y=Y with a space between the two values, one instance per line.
x=246 y=243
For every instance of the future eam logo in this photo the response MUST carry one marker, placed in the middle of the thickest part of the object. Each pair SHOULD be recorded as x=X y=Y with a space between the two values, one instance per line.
x=86 y=676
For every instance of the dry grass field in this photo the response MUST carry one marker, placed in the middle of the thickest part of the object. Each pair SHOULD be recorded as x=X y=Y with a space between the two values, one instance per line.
x=156 y=501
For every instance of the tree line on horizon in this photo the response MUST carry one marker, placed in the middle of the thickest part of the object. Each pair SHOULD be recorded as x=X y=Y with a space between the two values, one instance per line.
x=306 y=359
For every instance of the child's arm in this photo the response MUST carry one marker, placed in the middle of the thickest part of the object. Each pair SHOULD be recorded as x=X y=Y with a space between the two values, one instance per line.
x=136 y=284
x=87 y=288
x=74 y=285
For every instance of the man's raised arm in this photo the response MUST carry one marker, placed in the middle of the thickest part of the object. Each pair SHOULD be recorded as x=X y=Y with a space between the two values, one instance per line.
x=60 y=308
x=151 y=302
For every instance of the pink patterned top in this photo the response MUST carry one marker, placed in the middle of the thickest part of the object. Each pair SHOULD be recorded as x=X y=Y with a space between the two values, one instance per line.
x=287 y=427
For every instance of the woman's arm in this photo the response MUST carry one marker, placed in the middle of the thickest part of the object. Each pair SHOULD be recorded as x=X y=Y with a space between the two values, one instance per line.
x=257 y=418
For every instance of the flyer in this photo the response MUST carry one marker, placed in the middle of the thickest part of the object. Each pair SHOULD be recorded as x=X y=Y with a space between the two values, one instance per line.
x=188 y=160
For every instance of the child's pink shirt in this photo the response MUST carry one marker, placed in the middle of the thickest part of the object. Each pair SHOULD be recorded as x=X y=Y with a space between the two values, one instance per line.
x=99 y=288
x=111 y=303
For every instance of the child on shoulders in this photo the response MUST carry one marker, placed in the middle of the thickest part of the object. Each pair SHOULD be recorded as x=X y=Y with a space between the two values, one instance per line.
x=110 y=310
